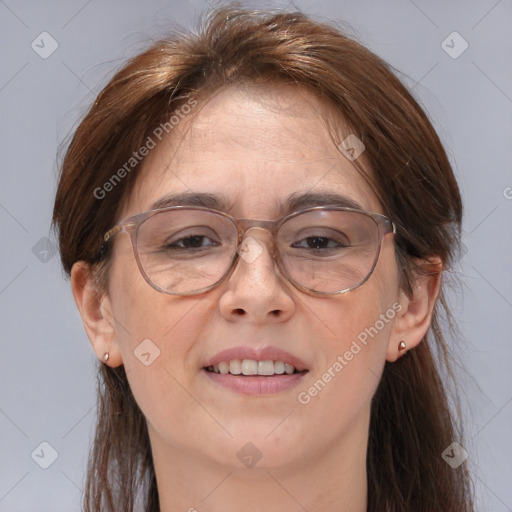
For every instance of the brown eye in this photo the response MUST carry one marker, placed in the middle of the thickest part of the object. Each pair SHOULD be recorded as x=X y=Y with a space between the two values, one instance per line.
x=193 y=242
x=318 y=242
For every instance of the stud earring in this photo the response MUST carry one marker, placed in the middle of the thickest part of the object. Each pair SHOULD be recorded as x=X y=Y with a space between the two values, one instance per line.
x=402 y=346
x=105 y=357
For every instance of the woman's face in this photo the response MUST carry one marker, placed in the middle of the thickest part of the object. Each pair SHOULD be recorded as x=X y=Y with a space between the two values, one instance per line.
x=253 y=149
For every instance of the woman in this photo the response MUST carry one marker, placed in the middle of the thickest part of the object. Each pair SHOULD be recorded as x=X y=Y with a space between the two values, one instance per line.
x=256 y=219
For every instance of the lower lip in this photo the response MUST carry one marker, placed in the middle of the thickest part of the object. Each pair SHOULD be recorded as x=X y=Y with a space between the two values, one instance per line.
x=256 y=384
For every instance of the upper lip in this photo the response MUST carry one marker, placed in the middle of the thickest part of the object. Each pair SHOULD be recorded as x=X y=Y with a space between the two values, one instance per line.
x=264 y=354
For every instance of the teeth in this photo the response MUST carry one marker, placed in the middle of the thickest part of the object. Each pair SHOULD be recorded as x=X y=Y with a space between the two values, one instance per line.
x=252 y=367
x=288 y=368
x=249 y=367
x=223 y=367
x=235 y=367
x=266 y=368
x=279 y=367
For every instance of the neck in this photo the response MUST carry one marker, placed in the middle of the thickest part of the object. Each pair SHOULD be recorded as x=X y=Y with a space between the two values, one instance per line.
x=326 y=482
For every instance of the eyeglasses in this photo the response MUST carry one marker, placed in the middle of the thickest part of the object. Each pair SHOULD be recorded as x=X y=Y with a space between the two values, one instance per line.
x=324 y=250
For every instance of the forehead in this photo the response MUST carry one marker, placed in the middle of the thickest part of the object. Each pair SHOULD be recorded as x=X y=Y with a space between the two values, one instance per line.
x=254 y=148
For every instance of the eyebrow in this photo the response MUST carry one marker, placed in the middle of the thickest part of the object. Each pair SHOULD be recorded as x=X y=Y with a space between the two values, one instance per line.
x=212 y=201
x=293 y=203
x=300 y=201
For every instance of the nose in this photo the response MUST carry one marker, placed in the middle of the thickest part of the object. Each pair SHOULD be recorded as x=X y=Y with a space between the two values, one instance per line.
x=255 y=291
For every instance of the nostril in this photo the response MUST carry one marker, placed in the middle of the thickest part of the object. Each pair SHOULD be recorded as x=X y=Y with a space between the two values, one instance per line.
x=239 y=311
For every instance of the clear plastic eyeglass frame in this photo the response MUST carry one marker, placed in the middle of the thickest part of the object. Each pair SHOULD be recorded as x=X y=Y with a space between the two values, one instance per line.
x=131 y=226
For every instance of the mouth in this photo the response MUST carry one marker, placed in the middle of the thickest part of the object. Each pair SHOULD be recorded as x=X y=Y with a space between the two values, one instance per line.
x=252 y=372
x=247 y=367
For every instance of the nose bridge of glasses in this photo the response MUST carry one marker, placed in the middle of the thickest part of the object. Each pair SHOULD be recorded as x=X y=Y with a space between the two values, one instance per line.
x=261 y=233
x=245 y=226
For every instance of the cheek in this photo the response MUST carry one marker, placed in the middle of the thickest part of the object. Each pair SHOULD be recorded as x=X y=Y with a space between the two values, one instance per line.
x=337 y=397
x=356 y=330
x=140 y=311
x=153 y=331
x=155 y=348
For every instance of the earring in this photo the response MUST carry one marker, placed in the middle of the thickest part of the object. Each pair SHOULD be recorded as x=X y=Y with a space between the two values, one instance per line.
x=402 y=347
x=105 y=357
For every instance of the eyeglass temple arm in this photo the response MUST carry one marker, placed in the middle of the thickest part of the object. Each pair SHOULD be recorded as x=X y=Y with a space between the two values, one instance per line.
x=112 y=232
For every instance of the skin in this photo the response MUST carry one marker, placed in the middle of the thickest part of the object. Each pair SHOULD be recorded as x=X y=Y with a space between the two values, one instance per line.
x=254 y=147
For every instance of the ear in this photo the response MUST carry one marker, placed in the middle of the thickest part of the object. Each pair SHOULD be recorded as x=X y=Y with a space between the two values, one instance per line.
x=96 y=312
x=413 y=320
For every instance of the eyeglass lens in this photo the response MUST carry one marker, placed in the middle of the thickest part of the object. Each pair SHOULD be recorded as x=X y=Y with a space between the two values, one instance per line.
x=185 y=251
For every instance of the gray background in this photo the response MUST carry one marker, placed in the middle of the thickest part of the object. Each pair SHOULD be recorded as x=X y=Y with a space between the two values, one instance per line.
x=47 y=380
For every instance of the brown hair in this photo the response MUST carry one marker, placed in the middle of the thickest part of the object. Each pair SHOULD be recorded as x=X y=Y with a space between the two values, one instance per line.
x=411 y=420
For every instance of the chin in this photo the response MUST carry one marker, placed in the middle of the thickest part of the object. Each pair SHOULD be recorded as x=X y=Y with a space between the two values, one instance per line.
x=260 y=445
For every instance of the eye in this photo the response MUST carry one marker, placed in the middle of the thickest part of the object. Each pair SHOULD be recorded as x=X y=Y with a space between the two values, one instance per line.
x=318 y=243
x=192 y=242
x=187 y=239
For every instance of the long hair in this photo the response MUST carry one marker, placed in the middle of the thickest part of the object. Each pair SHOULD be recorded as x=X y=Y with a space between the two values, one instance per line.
x=411 y=419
